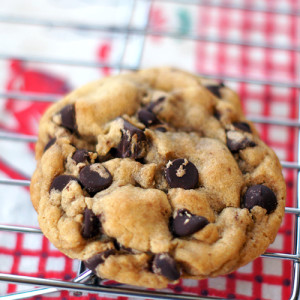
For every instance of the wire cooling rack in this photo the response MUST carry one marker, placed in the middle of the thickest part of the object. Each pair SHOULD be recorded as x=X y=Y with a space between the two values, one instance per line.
x=79 y=284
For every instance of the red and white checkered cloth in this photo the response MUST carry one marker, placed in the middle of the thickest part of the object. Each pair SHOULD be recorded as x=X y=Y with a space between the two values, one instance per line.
x=33 y=255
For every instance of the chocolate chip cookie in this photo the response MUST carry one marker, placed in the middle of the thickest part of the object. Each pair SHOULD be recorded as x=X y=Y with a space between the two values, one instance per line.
x=156 y=175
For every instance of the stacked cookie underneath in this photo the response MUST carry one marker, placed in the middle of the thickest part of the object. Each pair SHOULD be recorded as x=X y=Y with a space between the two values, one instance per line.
x=154 y=176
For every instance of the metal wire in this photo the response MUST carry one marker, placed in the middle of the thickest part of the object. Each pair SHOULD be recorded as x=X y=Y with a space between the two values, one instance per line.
x=126 y=36
x=82 y=277
x=17 y=137
x=20 y=229
x=296 y=278
x=254 y=8
x=144 y=31
x=91 y=64
x=114 y=291
x=18 y=182
x=139 y=31
x=38 y=97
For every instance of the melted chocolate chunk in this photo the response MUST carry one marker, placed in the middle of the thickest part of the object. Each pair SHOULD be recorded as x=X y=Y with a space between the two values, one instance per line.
x=161 y=129
x=126 y=249
x=103 y=158
x=147 y=117
x=68 y=117
x=262 y=196
x=242 y=126
x=236 y=146
x=186 y=223
x=163 y=264
x=91 y=224
x=116 y=244
x=95 y=178
x=49 y=144
x=97 y=259
x=133 y=142
x=61 y=181
x=81 y=155
x=215 y=89
x=151 y=106
x=120 y=247
x=181 y=173
x=217 y=114
x=236 y=142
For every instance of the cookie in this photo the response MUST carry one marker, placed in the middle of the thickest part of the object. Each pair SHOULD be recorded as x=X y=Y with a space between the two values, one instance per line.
x=156 y=175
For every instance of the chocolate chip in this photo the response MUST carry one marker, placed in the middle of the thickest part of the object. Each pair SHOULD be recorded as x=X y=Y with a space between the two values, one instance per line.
x=95 y=178
x=81 y=155
x=215 y=89
x=97 y=259
x=181 y=173
x=163 y=264
x=68 y=117
x=91 y=224
x=61 y=181
x=260 y=195
x=106 y=157
x=186 y=223
x=133 y=142
x=151 y=106
x=50 y=143
x=242 y=126
x=237 y=141
x=147 y=117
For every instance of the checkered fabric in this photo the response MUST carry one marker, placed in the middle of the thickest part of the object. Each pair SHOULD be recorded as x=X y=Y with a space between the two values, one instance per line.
x=217 y=52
